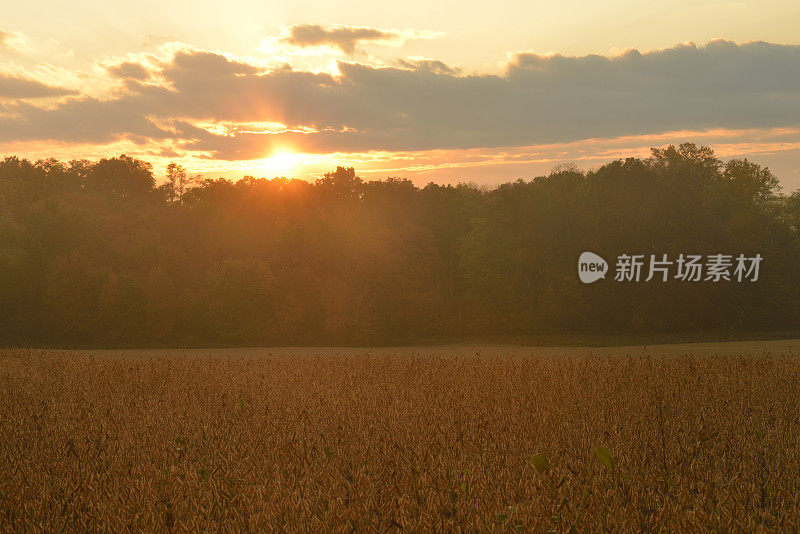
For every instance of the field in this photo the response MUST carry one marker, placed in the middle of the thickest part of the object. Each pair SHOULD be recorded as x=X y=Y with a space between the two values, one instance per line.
x=685 y=437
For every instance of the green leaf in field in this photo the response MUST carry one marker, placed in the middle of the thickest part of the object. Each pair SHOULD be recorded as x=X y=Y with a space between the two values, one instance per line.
x=540 y=462
x=605 y=457
x=328 y=453
x=203 y=474
x=242 y=404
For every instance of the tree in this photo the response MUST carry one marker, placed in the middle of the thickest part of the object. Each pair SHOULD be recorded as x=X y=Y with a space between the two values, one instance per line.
x=239 y=301
x=91 y=253
x=342 y=184
x=177 y=182
x=751 y=181
x=121 y=177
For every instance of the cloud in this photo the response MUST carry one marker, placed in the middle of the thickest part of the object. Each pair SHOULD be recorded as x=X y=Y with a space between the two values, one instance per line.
x=80 y=121
x=46 y=50
x=538 y=99
x=14 y=42
x=424 y=104
x=345 y=38
x=129 y=70
x=15 y=87
x=430 y=65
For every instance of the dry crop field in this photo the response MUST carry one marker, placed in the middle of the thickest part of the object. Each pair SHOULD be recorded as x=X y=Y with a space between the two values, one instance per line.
x=352 y=440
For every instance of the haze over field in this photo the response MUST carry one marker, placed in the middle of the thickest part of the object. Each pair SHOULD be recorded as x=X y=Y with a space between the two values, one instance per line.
x=445 y=93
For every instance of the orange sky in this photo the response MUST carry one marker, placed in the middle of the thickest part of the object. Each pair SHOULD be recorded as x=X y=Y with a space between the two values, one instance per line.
x=433 y=93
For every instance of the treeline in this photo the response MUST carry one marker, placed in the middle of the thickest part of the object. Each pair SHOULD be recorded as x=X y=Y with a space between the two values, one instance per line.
x=98 y=254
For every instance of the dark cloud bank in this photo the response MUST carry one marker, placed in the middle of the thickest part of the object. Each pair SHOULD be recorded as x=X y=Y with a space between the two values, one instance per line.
x=419 y=106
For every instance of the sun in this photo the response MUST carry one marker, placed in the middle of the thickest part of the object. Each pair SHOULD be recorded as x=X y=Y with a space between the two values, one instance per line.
x=281 y=162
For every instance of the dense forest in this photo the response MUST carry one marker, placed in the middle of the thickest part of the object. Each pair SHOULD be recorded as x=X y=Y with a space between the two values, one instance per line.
x=98 y=254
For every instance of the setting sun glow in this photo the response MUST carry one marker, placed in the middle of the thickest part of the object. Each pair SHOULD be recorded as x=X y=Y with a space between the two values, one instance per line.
x=281 y=162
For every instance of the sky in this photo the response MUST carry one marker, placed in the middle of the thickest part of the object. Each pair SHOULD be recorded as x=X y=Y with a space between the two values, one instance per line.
x=433 y=91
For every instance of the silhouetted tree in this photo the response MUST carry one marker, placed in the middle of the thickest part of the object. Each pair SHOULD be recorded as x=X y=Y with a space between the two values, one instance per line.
x=122 y=177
